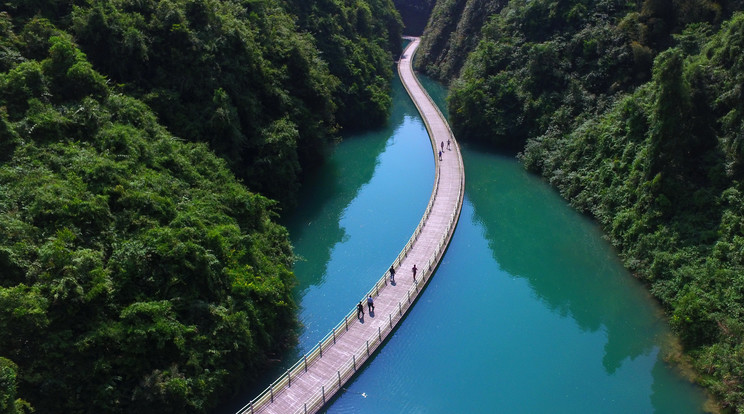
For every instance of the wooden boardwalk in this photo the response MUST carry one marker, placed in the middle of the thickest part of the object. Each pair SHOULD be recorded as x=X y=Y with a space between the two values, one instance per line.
x=322 y=372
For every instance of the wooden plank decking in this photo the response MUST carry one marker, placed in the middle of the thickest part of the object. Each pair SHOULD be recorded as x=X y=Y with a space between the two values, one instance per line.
x=312 y=381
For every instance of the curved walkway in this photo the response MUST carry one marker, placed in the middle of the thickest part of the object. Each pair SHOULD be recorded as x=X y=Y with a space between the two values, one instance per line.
x=322 y=372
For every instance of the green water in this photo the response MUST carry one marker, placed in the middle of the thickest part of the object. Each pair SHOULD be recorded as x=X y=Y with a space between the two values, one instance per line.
x=356 y=214
x=529 y=312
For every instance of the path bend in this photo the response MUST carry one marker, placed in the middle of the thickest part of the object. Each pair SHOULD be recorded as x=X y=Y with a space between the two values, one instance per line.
x=323 y=371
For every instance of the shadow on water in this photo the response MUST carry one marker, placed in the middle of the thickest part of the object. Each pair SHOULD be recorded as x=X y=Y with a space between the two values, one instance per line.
x=569 y=267
x=327 y=192
x=436 y=91
x=317 y=225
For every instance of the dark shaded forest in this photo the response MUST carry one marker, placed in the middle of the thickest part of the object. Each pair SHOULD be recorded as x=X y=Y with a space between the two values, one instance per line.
x=633 y=111
x=415 y=15
x=142 y=146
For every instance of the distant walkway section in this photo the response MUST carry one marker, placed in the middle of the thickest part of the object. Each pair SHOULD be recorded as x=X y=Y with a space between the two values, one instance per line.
x=323 y=372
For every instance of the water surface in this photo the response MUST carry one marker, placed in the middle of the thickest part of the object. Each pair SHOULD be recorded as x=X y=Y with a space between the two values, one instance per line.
x=356 y=214
x=530 y=310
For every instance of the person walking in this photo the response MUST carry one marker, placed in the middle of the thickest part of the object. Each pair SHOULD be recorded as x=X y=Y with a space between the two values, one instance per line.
x=392 y=274
x=360 y=310
x=370 y=304
x=440 y=155
x=448 y=143
x=414 y=272
x=442 y=145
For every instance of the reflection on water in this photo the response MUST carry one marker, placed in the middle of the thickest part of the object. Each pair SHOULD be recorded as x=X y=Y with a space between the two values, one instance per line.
x=353 y=217
x=348 y=238
x=327 y=192
x=567 y=265
x=530 y=311
x=561 y=255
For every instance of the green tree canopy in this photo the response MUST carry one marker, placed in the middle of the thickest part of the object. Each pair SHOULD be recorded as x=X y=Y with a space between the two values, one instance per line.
x=138 y=274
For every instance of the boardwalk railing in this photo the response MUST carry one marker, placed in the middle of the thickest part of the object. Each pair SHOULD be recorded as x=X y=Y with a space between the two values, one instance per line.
x=321 y=396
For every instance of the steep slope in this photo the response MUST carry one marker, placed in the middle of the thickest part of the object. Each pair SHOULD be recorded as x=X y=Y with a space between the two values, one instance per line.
x=136 y=273
x=451 y=34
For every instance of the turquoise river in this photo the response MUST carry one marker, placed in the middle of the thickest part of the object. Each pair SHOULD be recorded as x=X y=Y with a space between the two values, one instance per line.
x=530 y=310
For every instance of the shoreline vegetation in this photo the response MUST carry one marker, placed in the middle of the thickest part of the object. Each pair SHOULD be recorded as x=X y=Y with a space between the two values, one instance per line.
x=142 y=146
x=147 y=148
x=633 y=112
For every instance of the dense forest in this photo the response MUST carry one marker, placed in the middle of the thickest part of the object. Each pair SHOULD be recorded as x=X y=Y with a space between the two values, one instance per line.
x=633 y=111
x=453 y=31
x=142 y=146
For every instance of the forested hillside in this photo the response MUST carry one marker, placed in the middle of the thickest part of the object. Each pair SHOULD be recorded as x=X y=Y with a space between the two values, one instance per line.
x=453 y=31
x=138 y=273
x=358 y=39
x=266 y=83
x=634 y=112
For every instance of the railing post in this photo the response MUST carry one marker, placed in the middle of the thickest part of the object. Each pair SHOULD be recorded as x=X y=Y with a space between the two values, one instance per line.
x=353 y=358
x=305 y=358
x=320 y=346
x=379 y=333
x=339 y=379
x=322 y=388
x=390 y=317
x=368 y=348
x=399 y=311
x=289 y=379
x=334 y=335
x=271 y=389
x=346 y=322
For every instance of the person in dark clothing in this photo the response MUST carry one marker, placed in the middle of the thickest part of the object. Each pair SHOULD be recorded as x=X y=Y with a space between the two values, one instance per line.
x=414 y=270
x=360 y=310
x=392 y=274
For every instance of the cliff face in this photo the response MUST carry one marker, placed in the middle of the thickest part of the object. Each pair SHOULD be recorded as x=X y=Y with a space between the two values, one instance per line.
x=415 y=14
x=451 y=34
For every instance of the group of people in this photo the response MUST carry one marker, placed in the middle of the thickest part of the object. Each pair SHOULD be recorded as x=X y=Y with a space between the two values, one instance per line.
x=370 y=306
x=442 y=148
x=371 y=301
